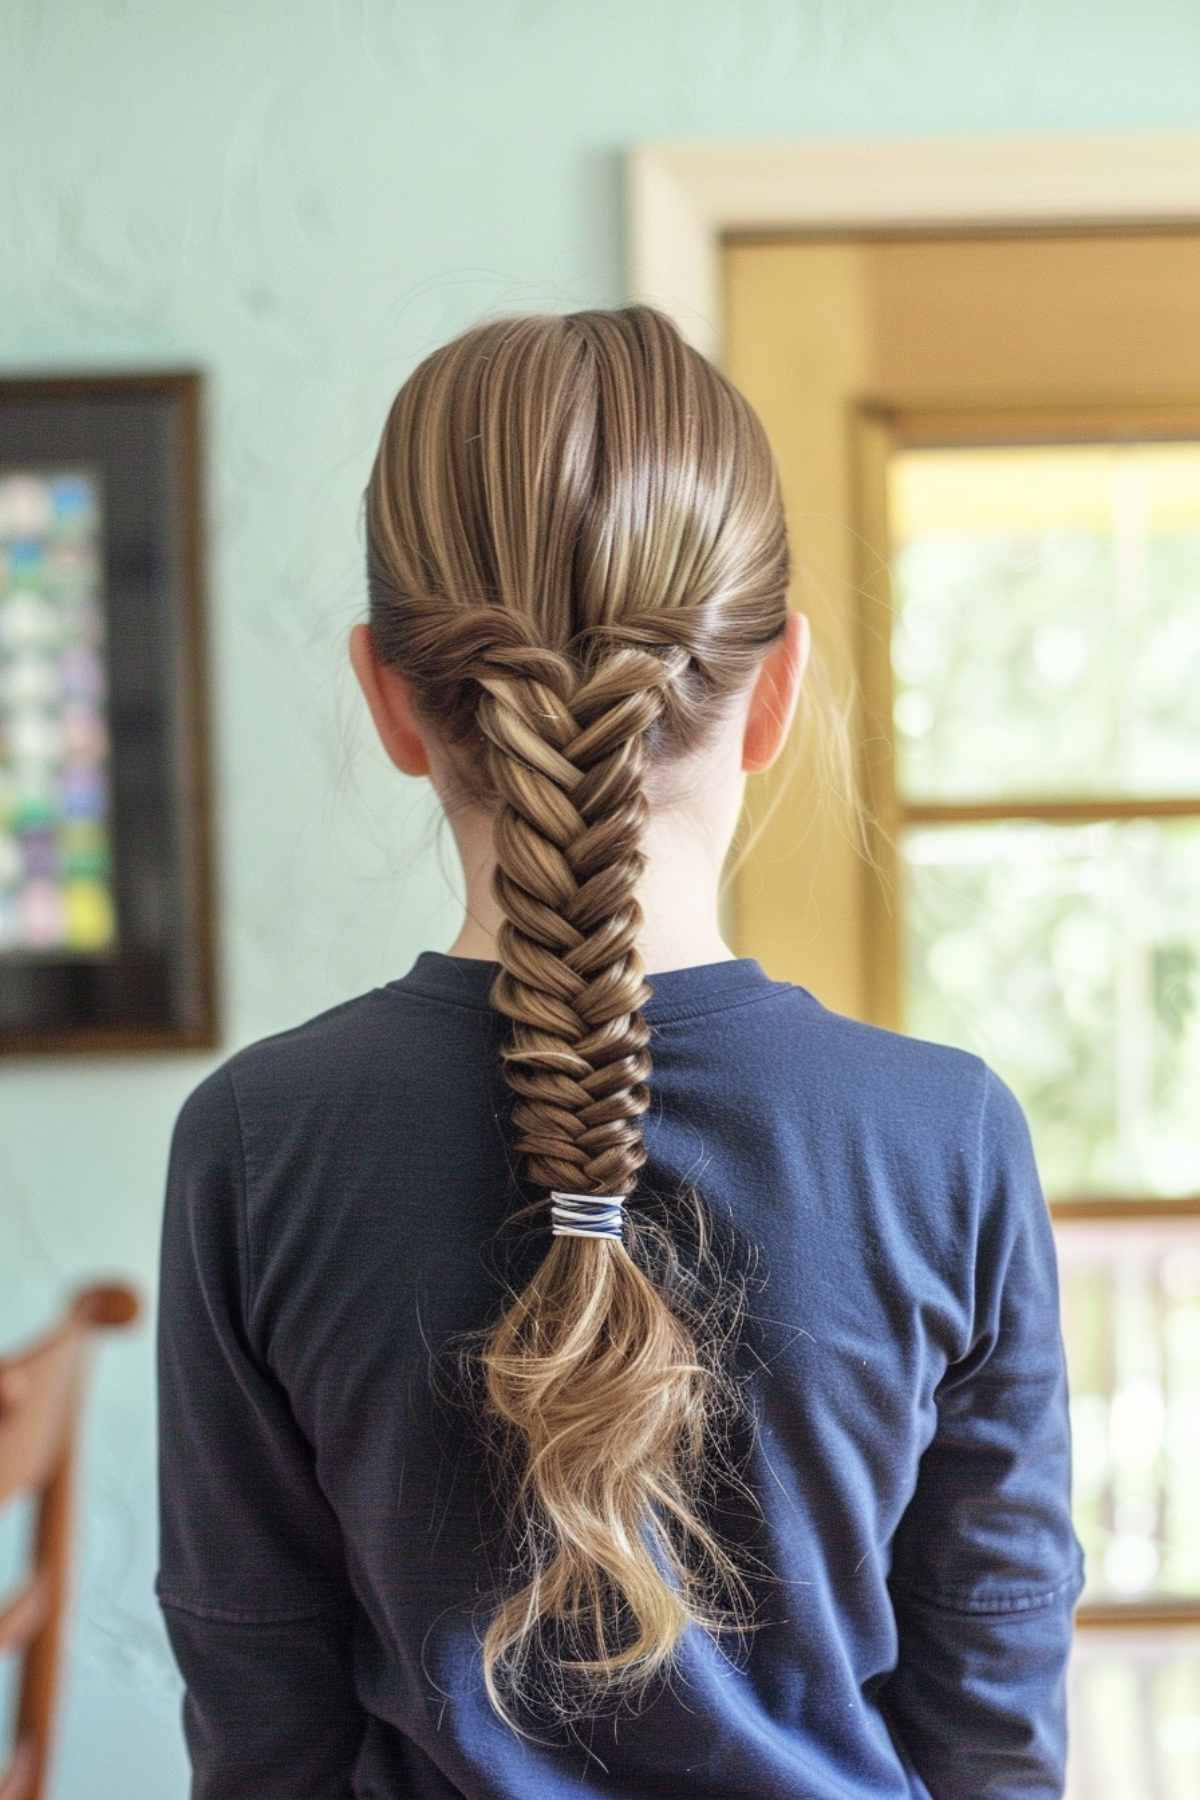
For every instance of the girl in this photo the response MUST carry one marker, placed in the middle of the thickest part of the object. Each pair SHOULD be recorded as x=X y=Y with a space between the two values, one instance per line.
x=587 y=1365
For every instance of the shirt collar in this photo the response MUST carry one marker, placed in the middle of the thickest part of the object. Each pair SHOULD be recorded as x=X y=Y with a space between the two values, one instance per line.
x=675 y=993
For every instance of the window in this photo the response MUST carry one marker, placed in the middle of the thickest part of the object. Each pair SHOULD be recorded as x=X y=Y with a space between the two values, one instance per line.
x=1045 y=654
x=1031 y=659
x=989 y=443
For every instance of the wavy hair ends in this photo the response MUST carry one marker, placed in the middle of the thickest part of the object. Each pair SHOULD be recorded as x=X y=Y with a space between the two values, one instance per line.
x=576 y=554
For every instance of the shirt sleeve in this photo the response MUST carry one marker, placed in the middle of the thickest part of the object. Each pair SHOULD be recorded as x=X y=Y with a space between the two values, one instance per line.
x=251 y=1577
x=986 y=1567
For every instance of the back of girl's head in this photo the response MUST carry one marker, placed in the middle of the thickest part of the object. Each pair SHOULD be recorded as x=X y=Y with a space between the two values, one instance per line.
x=577 y=556
x=586 y=484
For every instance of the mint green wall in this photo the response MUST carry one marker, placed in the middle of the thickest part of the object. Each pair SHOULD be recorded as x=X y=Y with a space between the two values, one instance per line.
x=304 y=196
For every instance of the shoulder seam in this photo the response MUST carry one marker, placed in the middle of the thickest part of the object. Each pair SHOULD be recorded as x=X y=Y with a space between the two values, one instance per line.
x=984 y=1090
x=243 y=1202
x=977 y=1209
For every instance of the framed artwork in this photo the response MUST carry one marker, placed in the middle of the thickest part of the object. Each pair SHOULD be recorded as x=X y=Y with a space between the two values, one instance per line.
x=106 y=875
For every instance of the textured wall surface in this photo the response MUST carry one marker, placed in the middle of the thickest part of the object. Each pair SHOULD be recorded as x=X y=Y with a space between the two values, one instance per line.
x=303 y=197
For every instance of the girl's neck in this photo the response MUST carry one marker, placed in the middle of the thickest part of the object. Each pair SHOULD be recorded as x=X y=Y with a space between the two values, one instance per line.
x=679 y=895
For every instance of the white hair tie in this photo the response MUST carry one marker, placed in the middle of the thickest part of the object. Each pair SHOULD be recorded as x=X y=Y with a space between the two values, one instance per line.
x=586 y=1215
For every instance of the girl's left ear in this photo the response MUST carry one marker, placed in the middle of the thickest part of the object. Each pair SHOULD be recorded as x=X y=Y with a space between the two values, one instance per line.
x=389 y=699
x=776 y=691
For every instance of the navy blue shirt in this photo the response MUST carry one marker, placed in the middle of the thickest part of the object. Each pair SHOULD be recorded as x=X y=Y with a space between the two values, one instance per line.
x=336 y=1207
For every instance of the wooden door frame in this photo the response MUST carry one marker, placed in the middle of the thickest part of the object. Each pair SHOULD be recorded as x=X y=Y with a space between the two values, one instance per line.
x=683 y=199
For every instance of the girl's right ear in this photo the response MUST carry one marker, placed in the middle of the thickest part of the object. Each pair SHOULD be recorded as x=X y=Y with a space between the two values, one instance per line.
x=776 y=691
x=389 y=700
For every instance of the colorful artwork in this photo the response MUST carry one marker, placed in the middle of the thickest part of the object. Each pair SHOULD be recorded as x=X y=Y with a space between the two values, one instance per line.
x=55 y=847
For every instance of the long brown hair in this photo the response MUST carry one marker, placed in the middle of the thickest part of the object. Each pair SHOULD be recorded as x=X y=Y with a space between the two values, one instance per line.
x=577 y=554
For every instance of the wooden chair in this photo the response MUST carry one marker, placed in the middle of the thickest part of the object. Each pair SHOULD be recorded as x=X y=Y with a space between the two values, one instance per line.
x=40 y=1393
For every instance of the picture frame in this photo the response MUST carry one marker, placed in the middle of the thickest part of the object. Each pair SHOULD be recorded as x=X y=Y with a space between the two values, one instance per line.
x=107 y=939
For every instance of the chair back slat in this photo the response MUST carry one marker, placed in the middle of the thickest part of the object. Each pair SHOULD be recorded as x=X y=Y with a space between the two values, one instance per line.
x=41 y=1388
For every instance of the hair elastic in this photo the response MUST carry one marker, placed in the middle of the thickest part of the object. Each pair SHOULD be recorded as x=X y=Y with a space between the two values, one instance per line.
x=586 y=1215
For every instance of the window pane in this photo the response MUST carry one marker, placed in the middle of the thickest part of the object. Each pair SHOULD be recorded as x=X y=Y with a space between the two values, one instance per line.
x=1135 y=1716
x=1046 y=637
x=1069 y=957
x=1131 y=1318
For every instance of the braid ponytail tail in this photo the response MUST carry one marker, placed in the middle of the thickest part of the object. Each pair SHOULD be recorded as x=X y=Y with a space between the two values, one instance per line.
x=606 y=1373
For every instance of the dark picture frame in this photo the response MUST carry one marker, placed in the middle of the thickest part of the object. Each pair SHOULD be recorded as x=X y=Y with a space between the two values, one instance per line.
x=106 y=860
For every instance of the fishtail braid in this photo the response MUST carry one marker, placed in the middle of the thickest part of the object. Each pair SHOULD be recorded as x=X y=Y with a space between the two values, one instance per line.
x=567 y=756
